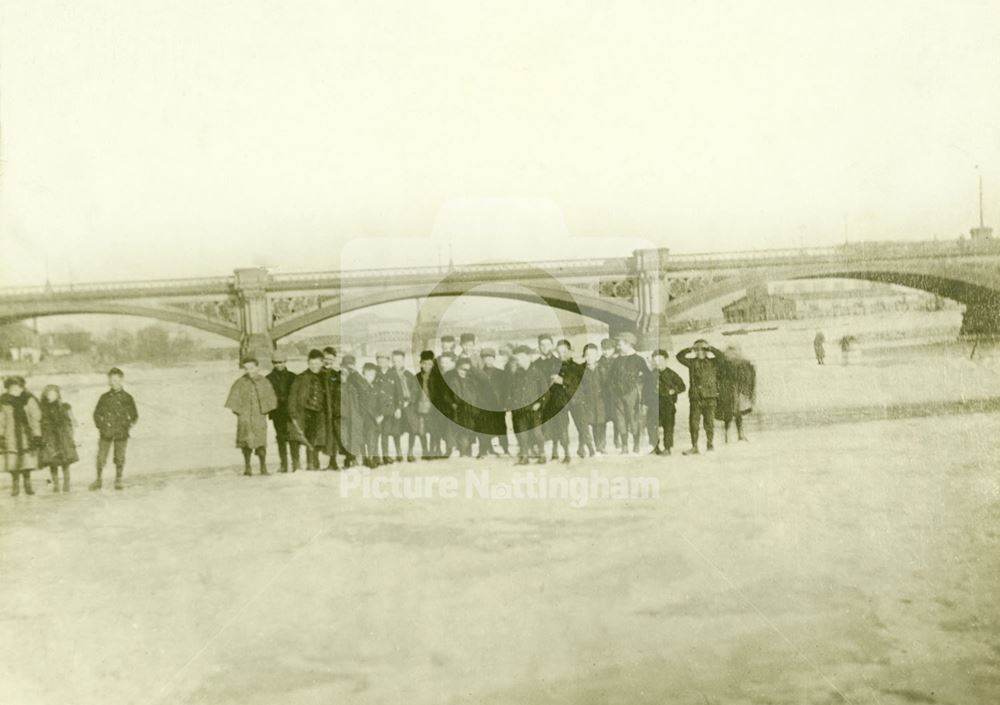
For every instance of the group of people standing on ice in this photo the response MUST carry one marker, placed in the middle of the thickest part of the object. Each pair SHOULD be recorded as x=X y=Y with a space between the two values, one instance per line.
x=468 y=399
x=39 y=434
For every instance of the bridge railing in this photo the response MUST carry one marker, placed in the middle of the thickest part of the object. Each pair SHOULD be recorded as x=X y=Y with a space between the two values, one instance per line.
x=195 y=285
x=354 y=275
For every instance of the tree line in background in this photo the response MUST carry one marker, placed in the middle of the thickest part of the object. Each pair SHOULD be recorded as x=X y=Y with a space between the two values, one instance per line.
x=152 y=343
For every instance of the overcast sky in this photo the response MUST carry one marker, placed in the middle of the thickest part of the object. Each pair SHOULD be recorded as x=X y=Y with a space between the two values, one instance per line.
x=163 y=139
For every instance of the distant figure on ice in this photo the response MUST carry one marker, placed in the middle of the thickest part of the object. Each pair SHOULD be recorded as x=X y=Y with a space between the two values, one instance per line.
x=704 y=365
x=114 y=416
x=845 y=348
x=737 y=391
x=819 y=347
x=252 y=398
x=281 y=379
x=663 y=386
x=58 y=444
x=20 y=433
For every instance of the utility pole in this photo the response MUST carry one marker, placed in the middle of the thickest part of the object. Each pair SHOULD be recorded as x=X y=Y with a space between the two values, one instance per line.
x=981 y=223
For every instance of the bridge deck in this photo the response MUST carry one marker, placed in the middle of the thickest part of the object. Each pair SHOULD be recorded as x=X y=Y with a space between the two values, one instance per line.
x=607 y=267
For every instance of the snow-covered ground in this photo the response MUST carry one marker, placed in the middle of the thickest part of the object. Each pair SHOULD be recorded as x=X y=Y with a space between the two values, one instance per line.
x=845 y=563
x=855 y=563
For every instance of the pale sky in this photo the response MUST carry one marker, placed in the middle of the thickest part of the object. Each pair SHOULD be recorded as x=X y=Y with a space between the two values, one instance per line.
x=166 y=139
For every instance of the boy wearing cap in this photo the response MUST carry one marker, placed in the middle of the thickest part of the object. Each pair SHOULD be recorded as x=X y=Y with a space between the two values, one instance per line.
x=331 y=376
x=307 y=412
x=370 y=415
x=589 y=405
x=281 y=379
x=409 y=392
x=564 y=383
x=495 y=418
x=114 y=416
x=444 y=402
x=527 y=388
x=662 y=388
x=425 y=408
x=467 y=400
x=628 y=373
x=601 y=435
x=388 y=392
x=704 y=365
x=352 y=429
x=251 y=399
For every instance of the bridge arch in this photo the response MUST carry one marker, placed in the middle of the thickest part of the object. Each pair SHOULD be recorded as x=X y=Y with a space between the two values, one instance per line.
x=612 y=312
x=44 y=309
x=962 y=283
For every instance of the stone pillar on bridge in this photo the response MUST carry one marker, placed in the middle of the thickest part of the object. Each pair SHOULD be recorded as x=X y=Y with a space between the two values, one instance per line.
x=652 y=296
x=255 y=316
x=429 y=314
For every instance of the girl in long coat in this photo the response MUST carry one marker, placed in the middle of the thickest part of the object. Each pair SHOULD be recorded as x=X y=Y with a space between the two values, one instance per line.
x=252 y=398
x=737 y=391
x=58 y=444
x=20 y=433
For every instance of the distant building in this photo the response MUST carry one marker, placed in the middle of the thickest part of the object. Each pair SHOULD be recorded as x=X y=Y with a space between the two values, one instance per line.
x=821 y=298
x=759 y=305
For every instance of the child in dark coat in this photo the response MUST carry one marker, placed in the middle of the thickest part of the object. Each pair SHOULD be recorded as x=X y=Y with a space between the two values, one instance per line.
x=58 y=443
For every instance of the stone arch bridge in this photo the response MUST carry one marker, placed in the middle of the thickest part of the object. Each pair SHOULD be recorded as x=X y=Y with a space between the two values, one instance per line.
x=643 y=292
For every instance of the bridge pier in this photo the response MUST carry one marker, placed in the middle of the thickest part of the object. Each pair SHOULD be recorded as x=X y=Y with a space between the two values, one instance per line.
x=653 y=293
x=255 y=321
x=981 y=318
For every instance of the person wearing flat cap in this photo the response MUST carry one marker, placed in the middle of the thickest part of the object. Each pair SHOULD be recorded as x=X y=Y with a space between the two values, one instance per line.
x=406 y=420
x=704 y=365
x=389 y=394
x=608 y=353
x=428 y=379
x=527 y=390
x=307 y=410
x=281 y=379
x=251 y=399
x=494 y=418
x=465 y=404
x=114 y=416
x=626 y=379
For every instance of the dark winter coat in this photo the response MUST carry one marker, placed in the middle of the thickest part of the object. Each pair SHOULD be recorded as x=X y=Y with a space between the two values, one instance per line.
x=526 y=388
x=58 y=442
x=308 y=394
x=703 y=373
x=115 y=414
x=628 y=372
x=281 y=381
x=409 y=397
x=359 y=405
x=737 y=388
x=590 y=405
x=496 y=382
x=467 y=398
x=388 y=389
